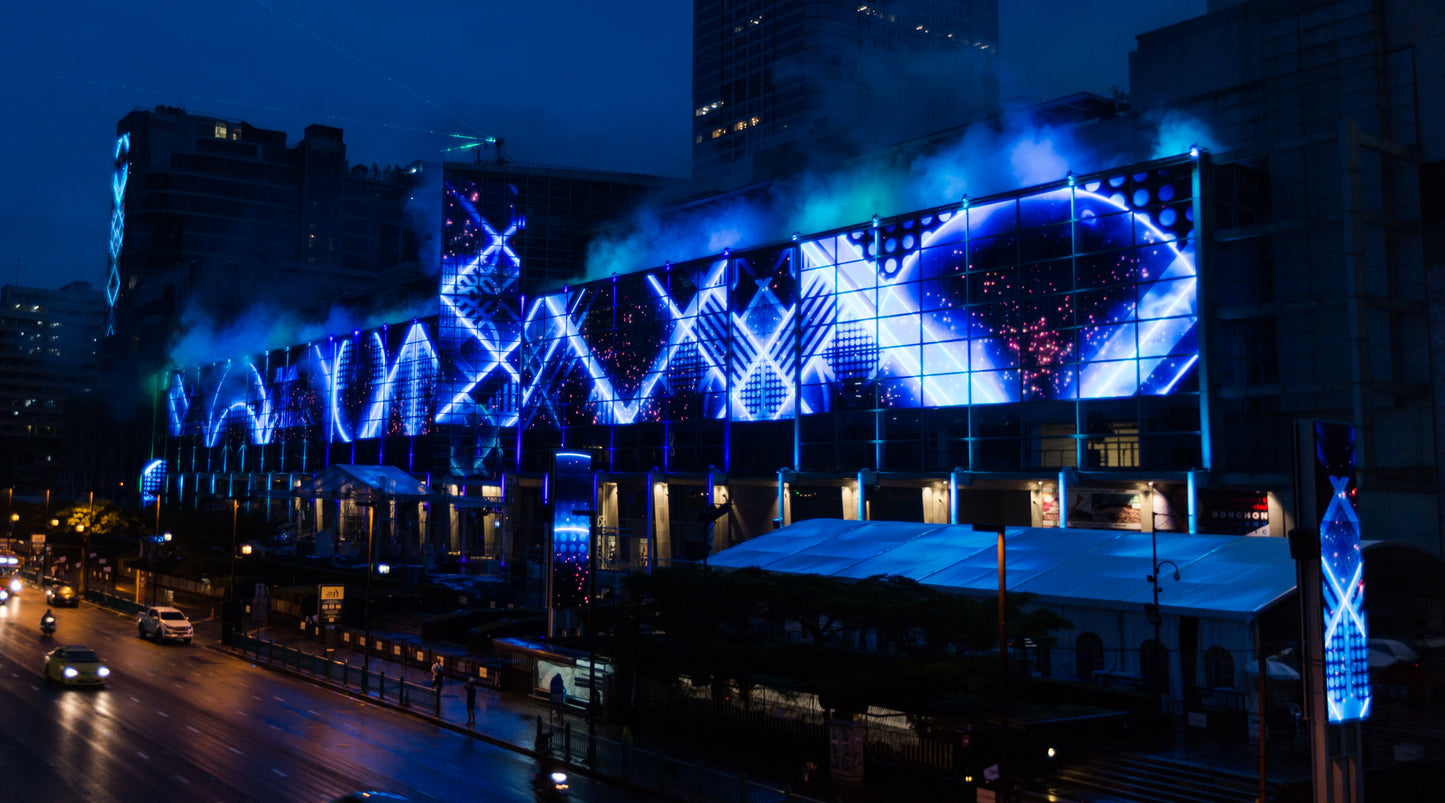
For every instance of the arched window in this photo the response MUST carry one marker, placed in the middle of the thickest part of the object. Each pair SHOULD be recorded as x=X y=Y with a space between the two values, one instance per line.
x=1154 y=665
x=1088 y=656
x=1218 y=668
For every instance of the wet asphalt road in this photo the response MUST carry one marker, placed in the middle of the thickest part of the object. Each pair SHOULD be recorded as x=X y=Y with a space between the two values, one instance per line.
x=186 y=723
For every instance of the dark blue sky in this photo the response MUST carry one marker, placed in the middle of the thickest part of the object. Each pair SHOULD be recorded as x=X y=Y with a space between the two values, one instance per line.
x=571 y=82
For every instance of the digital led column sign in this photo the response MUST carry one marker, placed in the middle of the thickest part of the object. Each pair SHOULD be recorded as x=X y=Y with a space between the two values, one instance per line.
x=1078 y=291
x=572 y=499
x=118 y=179
x=1342 y=573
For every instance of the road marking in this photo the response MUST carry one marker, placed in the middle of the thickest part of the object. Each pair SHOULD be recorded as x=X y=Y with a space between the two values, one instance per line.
x=180 y=778
x=278 y=772
x=273 y=727
x=162 y=713
x=143 y=755
x=134 y=699
x=277 y=699
x=192 y=729
x=234 y=750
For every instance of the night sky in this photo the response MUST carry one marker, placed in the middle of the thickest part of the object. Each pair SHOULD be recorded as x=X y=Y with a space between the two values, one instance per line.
x=565 y=82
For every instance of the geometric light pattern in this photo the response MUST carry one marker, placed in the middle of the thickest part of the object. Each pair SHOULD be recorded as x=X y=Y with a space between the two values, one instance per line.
x=152 y=481
x=118 y=180
x=1074 y=292
x=1342 y=569
x=480 y=325
x=372 y=384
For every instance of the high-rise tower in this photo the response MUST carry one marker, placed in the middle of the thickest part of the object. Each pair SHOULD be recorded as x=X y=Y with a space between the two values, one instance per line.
x=780 y=85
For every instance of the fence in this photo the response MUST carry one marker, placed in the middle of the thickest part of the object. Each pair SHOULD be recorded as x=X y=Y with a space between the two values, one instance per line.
x=398 y=690
x=688 y=780
x=884 y=742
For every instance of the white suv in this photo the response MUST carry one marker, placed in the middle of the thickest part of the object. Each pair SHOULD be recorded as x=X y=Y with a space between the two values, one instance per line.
x=161 y=623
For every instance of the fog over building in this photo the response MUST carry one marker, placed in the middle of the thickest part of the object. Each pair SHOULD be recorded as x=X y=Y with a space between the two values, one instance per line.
x=783 y=85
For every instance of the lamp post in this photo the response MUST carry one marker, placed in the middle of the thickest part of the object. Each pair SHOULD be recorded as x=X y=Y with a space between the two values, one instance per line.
x=162 y=538
x=366 y=611
x=231 y=589
x=84 y=530
x=45 y=564
x=1155 y=618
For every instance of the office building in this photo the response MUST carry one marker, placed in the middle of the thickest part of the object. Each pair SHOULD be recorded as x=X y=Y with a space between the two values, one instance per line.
x=49 y=360
x=779 y=86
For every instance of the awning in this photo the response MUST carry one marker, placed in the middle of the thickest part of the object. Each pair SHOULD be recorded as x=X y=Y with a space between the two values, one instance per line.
x=1233 y=577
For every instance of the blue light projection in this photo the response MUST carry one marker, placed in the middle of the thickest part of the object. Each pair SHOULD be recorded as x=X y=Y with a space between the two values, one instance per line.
x=118 y=181
x=1081 y=291
x=152 y=481
x=1084 y=289
x=572 y=499
x=372 y=384
x=480 y=326
x=1342 y=569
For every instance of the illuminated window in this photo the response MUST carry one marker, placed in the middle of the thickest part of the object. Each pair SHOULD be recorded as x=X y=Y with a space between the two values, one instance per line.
x=220 y=132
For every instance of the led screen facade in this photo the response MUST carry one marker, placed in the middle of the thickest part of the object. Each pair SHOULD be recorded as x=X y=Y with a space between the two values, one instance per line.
x=480 y=324
x=1065 y=294
x=305 y=407
x=1052 y=326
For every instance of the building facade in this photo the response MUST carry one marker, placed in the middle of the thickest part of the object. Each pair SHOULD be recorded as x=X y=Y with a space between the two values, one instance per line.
x=1126 y=346
x=782 y=85
x=49 y=360
x=1327 y=305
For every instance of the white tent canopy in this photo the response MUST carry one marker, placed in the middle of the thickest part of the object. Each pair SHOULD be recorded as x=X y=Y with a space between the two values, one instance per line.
x=1220 y=577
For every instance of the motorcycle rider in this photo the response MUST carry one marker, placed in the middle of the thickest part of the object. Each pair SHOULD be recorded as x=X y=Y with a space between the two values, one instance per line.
x=47 y=620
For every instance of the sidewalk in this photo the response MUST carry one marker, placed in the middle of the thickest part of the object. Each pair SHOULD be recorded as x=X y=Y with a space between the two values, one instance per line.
x=662 y=769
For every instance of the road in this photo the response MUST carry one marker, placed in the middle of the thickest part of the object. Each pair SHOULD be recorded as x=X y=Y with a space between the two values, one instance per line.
x=187 y=723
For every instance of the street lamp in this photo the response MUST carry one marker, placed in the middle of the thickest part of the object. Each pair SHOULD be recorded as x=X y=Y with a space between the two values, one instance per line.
x=1155 y=618
x=162 y=538
x=366 y=611
x=45 y=567
x=84 y=530
x=231 y=590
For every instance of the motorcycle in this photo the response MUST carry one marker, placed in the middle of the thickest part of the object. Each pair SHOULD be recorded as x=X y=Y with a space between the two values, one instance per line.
x=47 y=625
x=550 y=785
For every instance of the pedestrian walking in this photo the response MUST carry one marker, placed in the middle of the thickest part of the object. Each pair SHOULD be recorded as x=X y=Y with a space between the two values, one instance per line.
x=436 y=675
x=810 y=771
x=471 y=687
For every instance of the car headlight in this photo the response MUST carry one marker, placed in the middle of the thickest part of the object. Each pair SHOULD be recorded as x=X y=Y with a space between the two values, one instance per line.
x=4 y=595
x=15 y=585
x=70 y=671
x=104 y=671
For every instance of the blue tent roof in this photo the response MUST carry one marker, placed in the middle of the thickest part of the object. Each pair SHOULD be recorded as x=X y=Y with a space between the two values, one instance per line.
x=1222 y=576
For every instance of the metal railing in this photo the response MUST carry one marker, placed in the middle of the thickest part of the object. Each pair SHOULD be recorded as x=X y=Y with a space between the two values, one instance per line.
x=688 y=780
x=370 y=683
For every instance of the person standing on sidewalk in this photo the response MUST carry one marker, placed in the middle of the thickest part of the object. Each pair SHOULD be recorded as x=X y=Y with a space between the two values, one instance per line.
x=471 y=687
x=436 y=675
